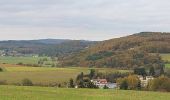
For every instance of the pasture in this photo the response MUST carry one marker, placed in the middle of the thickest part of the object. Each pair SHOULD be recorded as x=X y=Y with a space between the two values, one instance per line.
x=167 y=65
x=45 y=75
x=25 y=60
x=165 y=57
x=49 y=93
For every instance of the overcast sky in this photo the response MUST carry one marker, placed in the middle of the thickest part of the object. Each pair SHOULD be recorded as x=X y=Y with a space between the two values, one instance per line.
x=81 y=19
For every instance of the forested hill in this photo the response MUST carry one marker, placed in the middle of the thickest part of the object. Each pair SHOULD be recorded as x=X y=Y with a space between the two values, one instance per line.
x=49 y=47
x=139 y=49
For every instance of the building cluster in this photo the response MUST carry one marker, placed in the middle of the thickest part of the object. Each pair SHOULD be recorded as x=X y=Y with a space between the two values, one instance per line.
x=101 y=83
x=145 y=80
x=9 y=53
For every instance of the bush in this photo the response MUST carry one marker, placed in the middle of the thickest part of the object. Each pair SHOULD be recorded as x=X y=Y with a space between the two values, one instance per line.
x=105 y=87
x=1 y=69
x=27 y=82
x=71 y=83
x=20 y=63
x=3 y=82
x=131 y=82
x=160 y=84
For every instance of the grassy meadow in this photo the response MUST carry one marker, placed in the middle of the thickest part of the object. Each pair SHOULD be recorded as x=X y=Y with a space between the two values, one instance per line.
x=25 y=60
x=167 y=66
x=165 y=57
x=49 y=93
x=37 y=75
x=44 y=75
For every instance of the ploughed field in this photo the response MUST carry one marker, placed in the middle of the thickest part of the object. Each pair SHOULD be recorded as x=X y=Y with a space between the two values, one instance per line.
x=51 y=93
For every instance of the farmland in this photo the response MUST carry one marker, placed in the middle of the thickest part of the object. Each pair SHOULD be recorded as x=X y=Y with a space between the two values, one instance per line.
x=44 y=75
x=25 y=60
x=167 y=65
x=46 y=93
x=165 y=57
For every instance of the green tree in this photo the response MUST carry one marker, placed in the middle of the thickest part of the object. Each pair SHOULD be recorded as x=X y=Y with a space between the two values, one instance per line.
x=26 y=82
x=140 y=71
x=152 y=71
x=92 y=73
x=139 y=85
x=124 y=85
x=105 y=87
x=162 y=71
x=132 y=82
x=71 y=83
x=1 y=69
x=160 y=84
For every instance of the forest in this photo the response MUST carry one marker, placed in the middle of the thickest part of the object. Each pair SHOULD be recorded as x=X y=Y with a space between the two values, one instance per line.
x=137 y=50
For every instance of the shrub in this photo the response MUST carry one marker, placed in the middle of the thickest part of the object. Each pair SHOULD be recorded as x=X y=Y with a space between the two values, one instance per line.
x=3 y=82
x=105 y=87
x=123 y=84
x=1 y=69
x=20 y=63
x=160 y=84
x=71 y=83
x=27 y=82
x=131 y=82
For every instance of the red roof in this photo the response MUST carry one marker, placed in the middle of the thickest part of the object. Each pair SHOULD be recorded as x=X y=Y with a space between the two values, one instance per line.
x=104 y=81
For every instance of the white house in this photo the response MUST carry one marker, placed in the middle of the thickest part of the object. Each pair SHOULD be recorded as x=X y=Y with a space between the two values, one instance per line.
x=145 y=80
x=103 y=82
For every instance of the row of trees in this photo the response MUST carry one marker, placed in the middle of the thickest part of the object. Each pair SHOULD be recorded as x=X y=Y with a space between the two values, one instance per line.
x=132 y=82
x=151 y=71
x=161 y=83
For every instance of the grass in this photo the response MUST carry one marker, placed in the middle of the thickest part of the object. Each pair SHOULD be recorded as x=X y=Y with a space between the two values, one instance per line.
x=14 y=74
x=45 y=75
x=165 y=57
x=167 y=66
x=24 y=60
x=47 y=93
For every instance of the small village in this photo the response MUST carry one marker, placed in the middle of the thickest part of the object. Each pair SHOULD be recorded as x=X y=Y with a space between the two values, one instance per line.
x=128 y=82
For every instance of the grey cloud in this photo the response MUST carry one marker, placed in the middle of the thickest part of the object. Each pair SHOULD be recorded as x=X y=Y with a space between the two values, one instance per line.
x=86 y=16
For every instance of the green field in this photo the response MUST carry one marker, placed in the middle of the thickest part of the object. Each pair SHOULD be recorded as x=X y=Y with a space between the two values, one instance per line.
x=46 y=93
x=165 y=57
x=24 y=60
x=45 y=75
x=167 y=65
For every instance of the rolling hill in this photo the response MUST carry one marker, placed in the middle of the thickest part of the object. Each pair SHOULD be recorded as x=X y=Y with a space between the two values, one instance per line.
x=48 y=47
x=137 y=50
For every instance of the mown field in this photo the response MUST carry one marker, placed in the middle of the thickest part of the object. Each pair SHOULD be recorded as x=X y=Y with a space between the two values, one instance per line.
x=165 y=57
x=44 y=75
x=167 y=65
x=25 y=60
x=48 y=93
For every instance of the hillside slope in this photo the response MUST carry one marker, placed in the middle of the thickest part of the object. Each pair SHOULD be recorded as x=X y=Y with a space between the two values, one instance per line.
x=126 y=52
x=49 y=47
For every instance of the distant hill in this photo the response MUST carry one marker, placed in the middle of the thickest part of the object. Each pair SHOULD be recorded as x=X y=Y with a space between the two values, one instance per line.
x=49 y=47
x=136 y=50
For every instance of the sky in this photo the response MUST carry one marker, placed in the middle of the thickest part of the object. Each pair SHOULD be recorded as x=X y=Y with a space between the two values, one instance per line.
x=81 y=19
